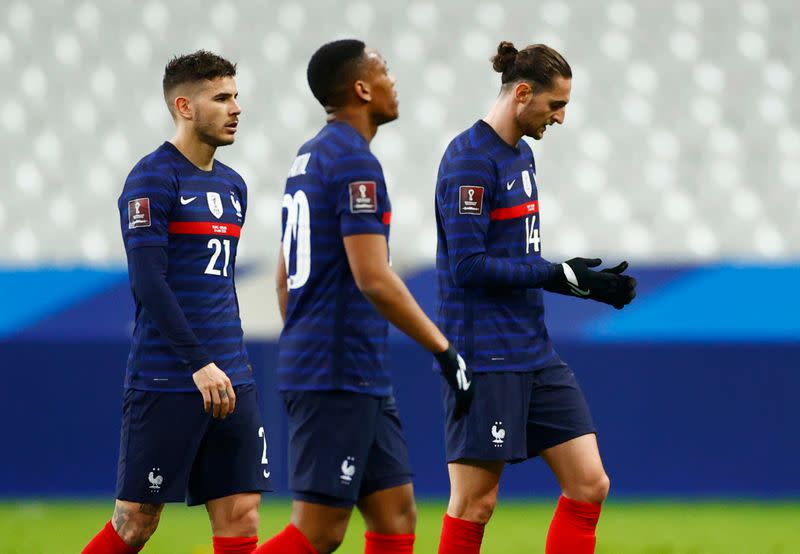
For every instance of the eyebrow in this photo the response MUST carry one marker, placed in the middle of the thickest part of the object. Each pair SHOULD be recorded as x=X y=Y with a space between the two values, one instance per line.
x=558 y=103
x=221 y=95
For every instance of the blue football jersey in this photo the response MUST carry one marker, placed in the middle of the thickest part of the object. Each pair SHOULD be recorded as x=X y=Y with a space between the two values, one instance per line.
x=333 y=338
x=489 y=258
x=197 y=216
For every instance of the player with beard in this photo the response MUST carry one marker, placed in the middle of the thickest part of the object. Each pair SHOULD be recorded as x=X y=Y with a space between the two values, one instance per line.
x=491 y=275
x=191 y=427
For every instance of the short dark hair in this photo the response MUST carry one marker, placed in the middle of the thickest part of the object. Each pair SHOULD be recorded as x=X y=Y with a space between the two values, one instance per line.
x=332 y=67
x=537 y=63
x=198 y=66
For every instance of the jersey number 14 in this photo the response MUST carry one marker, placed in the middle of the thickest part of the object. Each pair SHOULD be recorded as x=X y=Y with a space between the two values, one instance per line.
x=531 y=235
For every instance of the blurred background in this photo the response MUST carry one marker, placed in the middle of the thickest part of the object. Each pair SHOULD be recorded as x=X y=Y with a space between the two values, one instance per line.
x=680 y=153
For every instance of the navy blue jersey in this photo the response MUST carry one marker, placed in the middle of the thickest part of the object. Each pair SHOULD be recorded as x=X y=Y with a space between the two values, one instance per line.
x=333 y=338
x=489 y=262
x=197 y=216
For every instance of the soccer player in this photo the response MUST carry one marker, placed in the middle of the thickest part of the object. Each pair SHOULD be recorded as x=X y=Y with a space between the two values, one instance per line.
x=191 y=428
x=491 y=275
x=336 y=292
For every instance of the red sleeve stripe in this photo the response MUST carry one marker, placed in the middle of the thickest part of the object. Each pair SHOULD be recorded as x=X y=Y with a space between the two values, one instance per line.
x=387 y=218
x=515 y=211
x=204 y=228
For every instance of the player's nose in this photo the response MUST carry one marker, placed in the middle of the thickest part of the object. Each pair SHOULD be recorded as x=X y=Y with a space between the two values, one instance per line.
x=558 y=117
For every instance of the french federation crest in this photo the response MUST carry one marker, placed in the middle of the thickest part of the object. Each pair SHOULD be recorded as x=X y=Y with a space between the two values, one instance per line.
x=526 y=183
x=236 y=205
x=215 y=204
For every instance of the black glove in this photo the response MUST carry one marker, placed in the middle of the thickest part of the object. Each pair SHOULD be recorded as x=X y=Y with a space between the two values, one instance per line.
x=576 y=278
x=459 y=377
x=626 y=291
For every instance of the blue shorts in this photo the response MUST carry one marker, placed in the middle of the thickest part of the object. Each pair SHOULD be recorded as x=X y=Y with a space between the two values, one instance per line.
x=514 y=416
x=171 y=450
x=344 y=446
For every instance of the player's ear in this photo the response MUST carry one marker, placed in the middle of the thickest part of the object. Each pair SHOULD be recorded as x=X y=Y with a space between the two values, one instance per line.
x=523 y=92
x=182 y=107
x=362 y=90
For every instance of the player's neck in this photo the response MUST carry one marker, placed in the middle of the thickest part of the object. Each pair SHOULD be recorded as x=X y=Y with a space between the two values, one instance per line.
x=358 y=120
x=196 y=151
x=501 y=119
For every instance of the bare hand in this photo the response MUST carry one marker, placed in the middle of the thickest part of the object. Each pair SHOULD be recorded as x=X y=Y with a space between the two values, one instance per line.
x=216 y=389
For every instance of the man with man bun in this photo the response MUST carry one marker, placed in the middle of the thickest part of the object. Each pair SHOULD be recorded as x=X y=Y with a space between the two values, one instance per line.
x=491 y=275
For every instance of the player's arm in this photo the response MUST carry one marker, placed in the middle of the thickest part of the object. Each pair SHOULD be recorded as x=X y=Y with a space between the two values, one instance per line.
x=466 y=227
x=146 y=242
x=368 y=257
x=281 y=287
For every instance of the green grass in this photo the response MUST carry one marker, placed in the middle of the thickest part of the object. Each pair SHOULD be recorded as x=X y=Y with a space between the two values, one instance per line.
x=647 y=527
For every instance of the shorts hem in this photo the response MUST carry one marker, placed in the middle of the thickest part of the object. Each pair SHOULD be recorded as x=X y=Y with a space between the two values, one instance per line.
x=386 y=483
x=197 y=501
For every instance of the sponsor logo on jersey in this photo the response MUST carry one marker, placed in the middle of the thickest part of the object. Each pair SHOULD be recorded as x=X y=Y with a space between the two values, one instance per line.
x=189 y=200
x=363 y=197
x=215 y=204
x=470 y=200
x=139 y=213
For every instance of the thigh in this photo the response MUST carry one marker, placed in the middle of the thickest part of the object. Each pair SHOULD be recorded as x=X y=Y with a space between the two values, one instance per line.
x=390 y=511
x=331 y=434
x=495 y=427
x=160 y=436
x=232 y=457
x=558 y=411
x=576 y=462
x=387 y=464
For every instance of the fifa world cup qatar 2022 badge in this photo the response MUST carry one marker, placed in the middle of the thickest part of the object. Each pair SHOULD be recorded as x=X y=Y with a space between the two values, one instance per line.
x=363 y=197
x=139 y=213
x=470 y=200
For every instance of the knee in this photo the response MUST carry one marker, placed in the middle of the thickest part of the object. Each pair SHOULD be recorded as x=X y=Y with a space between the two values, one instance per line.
x=240 y=521
x=407 y=519
x=594 y=491
x=478 y=509
x=136 y=526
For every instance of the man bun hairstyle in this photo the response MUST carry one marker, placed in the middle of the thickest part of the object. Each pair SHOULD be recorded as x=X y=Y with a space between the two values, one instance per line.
x=198 y=66
x=537 y=63
x=332 y=68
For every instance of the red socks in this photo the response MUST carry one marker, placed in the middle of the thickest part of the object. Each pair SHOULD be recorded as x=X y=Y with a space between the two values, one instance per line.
x=572 y=528
x=288 y=541
x=460 y=536
x=235 y=545
x=388 y=544
x=108 y=541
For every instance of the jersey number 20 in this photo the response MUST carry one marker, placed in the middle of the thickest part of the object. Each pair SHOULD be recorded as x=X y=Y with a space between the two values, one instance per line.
x=298 y=231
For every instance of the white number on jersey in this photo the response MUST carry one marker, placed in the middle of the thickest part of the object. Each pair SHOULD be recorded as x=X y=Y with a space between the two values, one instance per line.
x=298 y=230
x=217 y=246
x=531 y=235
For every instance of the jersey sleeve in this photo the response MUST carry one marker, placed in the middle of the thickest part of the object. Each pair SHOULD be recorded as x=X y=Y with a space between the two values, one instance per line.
x=464 y=200
x=362 y=202
x=145 y=206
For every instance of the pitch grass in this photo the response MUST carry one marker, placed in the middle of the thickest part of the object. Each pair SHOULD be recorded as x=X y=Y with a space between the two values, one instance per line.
x=626 y=527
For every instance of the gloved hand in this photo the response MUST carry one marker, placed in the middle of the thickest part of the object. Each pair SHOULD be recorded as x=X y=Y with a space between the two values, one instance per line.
x=459 y=377
x=576 y=277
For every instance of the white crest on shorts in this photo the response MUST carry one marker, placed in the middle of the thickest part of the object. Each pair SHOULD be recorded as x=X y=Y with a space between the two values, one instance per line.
x=348 y=470
x=155 y=480
x=498 y=433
